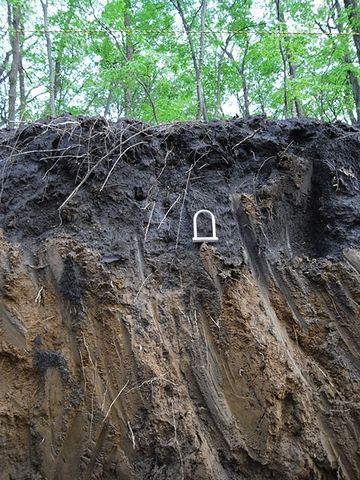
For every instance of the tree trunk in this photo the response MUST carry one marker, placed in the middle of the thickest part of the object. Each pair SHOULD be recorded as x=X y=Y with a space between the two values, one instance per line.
x=197 y=62
x=354 y=83
x=352 y=7
x=22 y=88
x=244 y=83
x=57 y=84
x=352 y=78
x=45 y=8
x=14 y=25
x=3 y=67
x=129 y=55
x=217 y=108
x=283 y=59
x=202 y=113
x=22 y=107
x=288 y=63
x=297 y=103
x=151 y=101
x=241 y=71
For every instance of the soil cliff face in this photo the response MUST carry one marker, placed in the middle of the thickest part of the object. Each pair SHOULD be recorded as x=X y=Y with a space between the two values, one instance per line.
x=129 y=352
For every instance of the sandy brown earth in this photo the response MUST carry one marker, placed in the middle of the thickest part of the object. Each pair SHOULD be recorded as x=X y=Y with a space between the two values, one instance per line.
x=129 y=352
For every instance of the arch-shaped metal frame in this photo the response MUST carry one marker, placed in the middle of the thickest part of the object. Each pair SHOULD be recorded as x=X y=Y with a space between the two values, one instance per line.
x=213 y=238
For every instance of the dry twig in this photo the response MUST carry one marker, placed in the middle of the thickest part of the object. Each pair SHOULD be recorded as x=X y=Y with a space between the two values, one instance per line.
x=247 y=138
x=40 y=296
x=112 y=403
x=132 y=435
x=143 y=283
x=169 y=210
x=148 y=224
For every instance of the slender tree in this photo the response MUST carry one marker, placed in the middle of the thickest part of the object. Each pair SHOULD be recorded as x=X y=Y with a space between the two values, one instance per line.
x=289 y=65
x=45 y=9
x=197 y=57
x=129 y=56
x=352 y=78
x=352 y=8
x=14 y=18
x=22 y=83
x=240 y=67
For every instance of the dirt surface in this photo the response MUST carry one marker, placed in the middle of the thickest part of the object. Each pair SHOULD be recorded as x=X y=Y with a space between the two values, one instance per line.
x=129 y=352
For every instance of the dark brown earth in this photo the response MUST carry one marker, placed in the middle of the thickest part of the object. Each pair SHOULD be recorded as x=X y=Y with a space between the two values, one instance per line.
x=129 y=352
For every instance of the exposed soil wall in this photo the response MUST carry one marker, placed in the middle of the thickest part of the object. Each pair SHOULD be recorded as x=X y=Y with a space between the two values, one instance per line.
x=129 y=352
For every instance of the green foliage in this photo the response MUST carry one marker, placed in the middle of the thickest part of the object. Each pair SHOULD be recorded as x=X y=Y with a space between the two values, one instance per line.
x=133 y=57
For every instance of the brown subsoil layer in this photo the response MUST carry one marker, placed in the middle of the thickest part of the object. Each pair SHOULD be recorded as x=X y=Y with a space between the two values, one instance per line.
x=127 y=351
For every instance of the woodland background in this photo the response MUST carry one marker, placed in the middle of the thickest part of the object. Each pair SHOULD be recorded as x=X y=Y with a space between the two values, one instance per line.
x=165 y=60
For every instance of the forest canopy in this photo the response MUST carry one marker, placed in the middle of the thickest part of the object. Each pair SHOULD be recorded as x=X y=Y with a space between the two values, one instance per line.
x=165 y=60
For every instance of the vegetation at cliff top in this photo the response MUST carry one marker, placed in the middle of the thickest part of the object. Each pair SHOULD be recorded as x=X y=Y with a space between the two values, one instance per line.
x=164 y=60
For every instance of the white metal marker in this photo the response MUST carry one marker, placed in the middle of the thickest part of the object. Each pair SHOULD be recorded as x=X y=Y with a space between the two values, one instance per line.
x=213 y=238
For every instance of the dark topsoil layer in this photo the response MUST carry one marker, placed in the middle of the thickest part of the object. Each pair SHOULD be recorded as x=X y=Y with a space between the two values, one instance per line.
x=124 y=166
